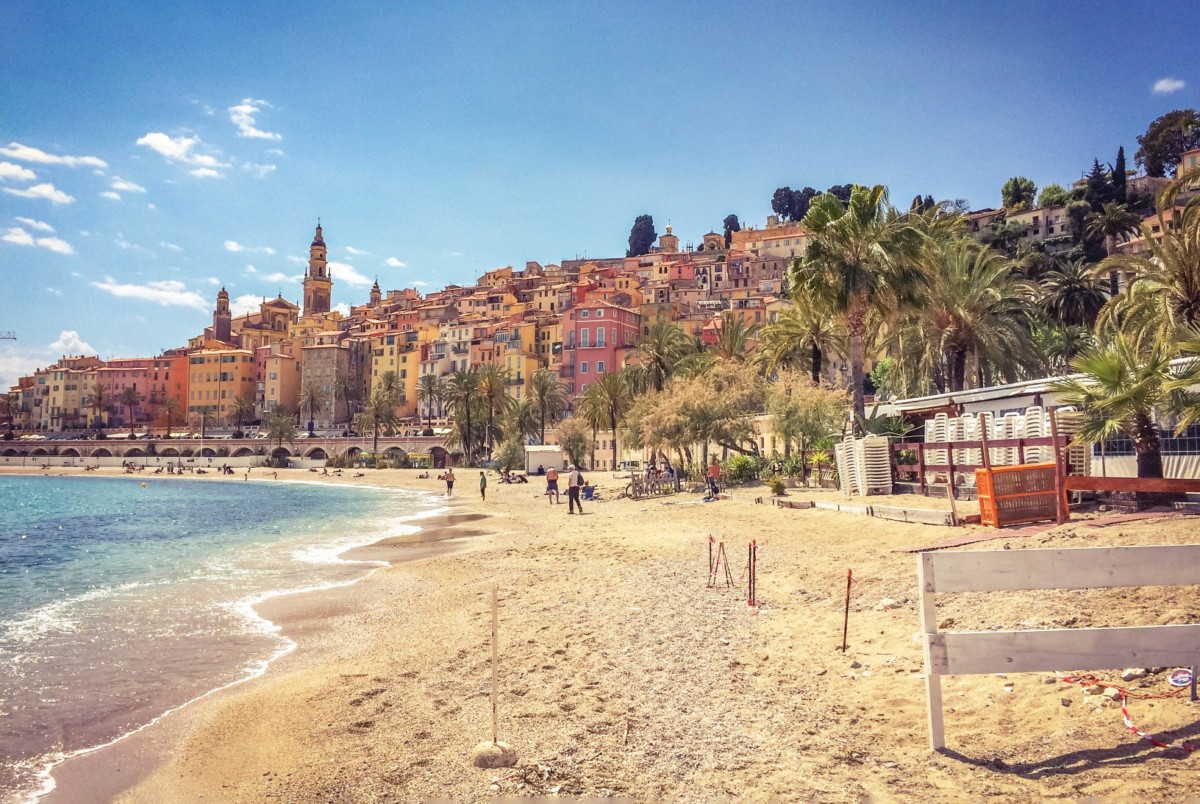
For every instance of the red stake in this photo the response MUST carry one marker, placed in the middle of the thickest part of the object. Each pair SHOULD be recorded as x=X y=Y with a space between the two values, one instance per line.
x=846 y=622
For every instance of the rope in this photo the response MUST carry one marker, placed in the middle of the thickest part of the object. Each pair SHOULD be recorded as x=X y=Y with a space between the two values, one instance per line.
x=1087 y=679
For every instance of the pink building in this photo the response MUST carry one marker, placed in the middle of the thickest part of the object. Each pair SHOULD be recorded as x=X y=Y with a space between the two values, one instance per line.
x=155 y=378
x=596 y=336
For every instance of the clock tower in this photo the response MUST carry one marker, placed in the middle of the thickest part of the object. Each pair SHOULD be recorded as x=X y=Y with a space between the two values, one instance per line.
x=318 y=286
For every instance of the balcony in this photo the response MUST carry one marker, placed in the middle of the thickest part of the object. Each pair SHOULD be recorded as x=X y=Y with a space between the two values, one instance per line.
x=516 y=380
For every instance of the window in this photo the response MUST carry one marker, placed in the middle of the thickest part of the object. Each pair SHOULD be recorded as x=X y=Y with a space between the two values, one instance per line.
x=599 y=366
x=585 y=313
x=600 y=336
x=583 y=338
x=599 y=314
x=583 y=367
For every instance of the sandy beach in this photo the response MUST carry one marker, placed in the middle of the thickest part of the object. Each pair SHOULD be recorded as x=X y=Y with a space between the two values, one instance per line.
x=623 y=674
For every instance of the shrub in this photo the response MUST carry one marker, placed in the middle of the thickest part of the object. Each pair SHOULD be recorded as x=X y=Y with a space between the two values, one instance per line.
x=741 y=469
x=776 y=486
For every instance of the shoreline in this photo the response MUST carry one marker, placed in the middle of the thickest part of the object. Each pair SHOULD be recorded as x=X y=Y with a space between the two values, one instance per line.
x=102 y=771
x=622 y=673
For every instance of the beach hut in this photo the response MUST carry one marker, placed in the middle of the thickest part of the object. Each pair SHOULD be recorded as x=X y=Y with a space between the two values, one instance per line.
x=545 y=457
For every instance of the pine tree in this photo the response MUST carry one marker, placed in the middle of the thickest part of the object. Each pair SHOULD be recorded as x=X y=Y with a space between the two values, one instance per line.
x=1120 y=194
x=641 y=236
x=1099 y=189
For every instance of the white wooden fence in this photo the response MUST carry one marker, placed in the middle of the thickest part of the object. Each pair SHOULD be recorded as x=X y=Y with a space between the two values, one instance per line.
x=1058 y=649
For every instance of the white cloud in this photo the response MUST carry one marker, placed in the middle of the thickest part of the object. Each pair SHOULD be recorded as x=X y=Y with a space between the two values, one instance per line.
x=235 y=246
x=248 y=303
x=417 y=283
x=279 y=276
x=54 y=291
x=69 y=343
x=355 y=251
x=126 y=186
x=110 y=195
x=346 y=273
x=171 y=246
x=250 y=269
x=151 y=207
x=179 y=149
x=341 y=307
x=1165 y=86
x=27 y=153
x=206 y=173
x=18 y=236
x=275 y=151
x=10 y=171
x=258 y=170
x=243 y=116
x=168 y=293
x=212 y=280
x=395 y=263
x=32 y=224
x=456 y=253
x=298 y=260
x=46 y=191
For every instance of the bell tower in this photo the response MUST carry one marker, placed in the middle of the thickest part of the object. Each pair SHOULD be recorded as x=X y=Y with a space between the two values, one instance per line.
x=318 y=287
x=222 y=318
x=376 y=294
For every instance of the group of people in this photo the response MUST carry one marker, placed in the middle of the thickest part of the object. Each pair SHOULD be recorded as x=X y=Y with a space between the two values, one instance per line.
x=576 y=488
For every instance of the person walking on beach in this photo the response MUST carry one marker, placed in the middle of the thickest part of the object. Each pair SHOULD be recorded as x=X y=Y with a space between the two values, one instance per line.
x=449 y=482
x=574 y=484
x=482 y=486
x=714 y=474
x=552 y=484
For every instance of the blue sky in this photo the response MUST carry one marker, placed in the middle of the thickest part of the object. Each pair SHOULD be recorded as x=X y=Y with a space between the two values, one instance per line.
x=150 y=154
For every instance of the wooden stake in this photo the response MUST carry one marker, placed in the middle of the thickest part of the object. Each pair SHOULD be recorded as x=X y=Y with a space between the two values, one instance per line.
x=495 y=653
x=1059 y=493
x=846 y=621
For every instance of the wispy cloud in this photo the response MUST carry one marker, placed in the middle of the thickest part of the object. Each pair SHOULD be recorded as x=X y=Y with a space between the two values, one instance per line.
x=417 y=283
x=355 y=251
x=246 y=303
x=18 y=236
x=171 y=246
x=395 y=263
x=27 y=153
x=41 y=226
x=10 y=171
x=54 y=291
x=109 y=194
x=184 y=150
x=233 y=245
x=120 y=185
x=1165 y=86
x=206 y=173
x=250 y=269
x=346 y=273
x=168 y=293
x=279 y=276
x=120 y=242
x=275 y=152
x=46 y=191
x=297 y=260
x=258 y=171
x=244 y=117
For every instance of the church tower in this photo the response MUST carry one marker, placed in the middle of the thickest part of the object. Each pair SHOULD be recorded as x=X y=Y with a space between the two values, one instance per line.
x=376 y=294
x=222 y=318
x=318 y=287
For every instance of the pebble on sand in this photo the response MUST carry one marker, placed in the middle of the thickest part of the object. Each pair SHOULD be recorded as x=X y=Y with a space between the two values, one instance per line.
x=493 y=755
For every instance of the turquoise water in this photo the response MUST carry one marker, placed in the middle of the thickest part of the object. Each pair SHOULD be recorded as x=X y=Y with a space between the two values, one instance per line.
x=118 y=603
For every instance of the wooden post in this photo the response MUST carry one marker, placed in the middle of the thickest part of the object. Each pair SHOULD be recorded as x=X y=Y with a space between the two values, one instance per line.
x=933 y=681
x=921 y=465
x=952 y=490
x=1059 y=494
x=846 y=619
x=1020 y=450
x=985 y=452
x=495 y=653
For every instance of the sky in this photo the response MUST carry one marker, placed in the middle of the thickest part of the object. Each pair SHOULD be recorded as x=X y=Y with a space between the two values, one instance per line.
x=151 y=154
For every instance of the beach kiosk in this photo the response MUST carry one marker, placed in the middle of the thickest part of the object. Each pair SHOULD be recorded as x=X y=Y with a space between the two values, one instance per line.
x=545 y=457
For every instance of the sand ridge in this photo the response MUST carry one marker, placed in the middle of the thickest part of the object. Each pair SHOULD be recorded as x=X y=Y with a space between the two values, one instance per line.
x=622 y=673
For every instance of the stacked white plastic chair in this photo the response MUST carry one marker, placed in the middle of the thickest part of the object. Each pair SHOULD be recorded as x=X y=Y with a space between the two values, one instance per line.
x=1035 y=426
x=1079 y=457
x=843 y=453
x=874 y=465
x=936 y=429
x=1012 y=426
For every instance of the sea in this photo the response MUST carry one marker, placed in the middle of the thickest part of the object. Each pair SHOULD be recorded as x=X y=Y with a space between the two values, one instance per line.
x=122 y=599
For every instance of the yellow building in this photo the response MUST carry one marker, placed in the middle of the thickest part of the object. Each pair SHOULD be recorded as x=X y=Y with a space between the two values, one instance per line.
x=218 y=376
x=399 y=352
x=281 y=382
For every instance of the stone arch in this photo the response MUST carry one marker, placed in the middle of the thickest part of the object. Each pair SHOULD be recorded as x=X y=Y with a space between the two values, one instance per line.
x=101 y=452
x=134 y=452
x=279 y=456
x=11 y=452
x=437 y=456
x=70 y=452
x=207 y=452
x=40 y=451
x=242 y=452
x=392 y=453
x=317 y=454
x=169 y=452
x=186 y=452
x=353 y=453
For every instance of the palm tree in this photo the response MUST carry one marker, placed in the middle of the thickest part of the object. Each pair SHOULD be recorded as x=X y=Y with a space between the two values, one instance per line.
x=171 y=408
x=858 y=258
x=462 y=391
x=1071 y=295
x=615 y=398
x=313 y=400
x=977 y=310
x=1118 y=390
x=379 y=413
x=520 y=421
x=589 y=406
x=801 y=336
x=431 y=390
x=1061 y=345
x=493 y=387
x=1162 y=298
x=243 y=409
x=389 y=381
x=100 y=399
x=130 y=399
x=11 y=403
x=549 y=395
x=280 y=426
x=1112 y=222
x=734 y=337
x=204 y=413
x=345 y=388
x=660 y=351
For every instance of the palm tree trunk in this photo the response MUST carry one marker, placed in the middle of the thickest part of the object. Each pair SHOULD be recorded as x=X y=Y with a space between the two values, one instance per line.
x=958 y=369
x=613 y=421
x=542 y=433
x=1148 y=446
x=816 y=364
x=856 y=327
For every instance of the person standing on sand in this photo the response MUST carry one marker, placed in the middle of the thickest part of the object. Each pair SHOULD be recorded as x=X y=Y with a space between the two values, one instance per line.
x=714 y=474
x=449 y=478
x=552 y=484
x=482 y=486
x=574 y=484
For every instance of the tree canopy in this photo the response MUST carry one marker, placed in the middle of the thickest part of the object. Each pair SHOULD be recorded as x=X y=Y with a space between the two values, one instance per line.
x=1018 y=193
x=731 y=224
x=641 y=236
x=1166 y=139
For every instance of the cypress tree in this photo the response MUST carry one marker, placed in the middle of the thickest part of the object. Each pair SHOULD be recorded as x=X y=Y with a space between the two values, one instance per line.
x=1120 y=194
